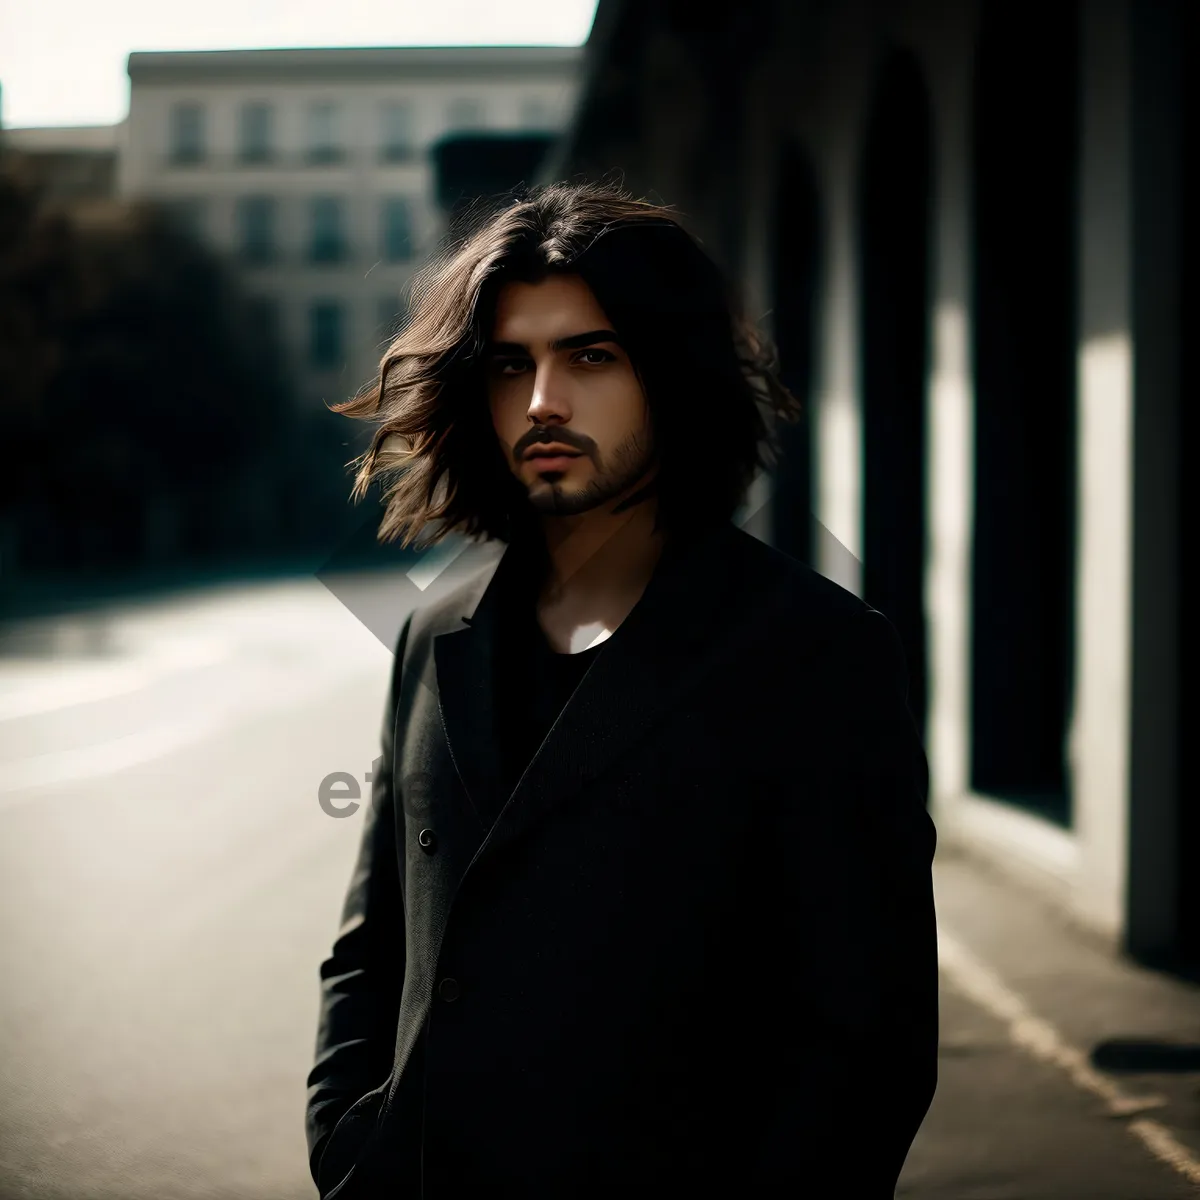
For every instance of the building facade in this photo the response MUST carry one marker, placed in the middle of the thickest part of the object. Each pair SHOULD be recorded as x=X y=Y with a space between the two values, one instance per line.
x=312 y=170
x=963 y=221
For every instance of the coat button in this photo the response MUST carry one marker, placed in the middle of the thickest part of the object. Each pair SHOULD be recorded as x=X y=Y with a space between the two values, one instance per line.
x=449 y=990
x=427 y=840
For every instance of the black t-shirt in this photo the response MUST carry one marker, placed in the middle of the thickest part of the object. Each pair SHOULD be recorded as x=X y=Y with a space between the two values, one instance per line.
x=532 y=685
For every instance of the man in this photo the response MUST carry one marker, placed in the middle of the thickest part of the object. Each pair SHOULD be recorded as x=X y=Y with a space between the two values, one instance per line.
x=644 y=901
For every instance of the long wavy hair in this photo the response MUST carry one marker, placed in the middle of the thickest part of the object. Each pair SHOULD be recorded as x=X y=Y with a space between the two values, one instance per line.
x=710 y=379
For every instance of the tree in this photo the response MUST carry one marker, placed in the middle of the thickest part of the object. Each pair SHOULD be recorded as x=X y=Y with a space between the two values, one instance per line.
x=131 y=377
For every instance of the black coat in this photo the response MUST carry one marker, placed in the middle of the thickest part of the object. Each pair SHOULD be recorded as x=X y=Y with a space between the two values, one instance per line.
x=695 y=953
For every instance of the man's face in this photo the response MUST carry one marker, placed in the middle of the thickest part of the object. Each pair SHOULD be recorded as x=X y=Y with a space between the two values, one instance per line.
x=556 y=374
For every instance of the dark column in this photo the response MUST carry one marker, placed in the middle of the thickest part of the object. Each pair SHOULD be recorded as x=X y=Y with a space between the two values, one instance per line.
x=1187 y=845
x=1163 y=925
x=1024 y=211
x=893 y=215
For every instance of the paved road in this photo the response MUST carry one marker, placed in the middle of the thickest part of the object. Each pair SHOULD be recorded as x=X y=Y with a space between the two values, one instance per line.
x=169 y=884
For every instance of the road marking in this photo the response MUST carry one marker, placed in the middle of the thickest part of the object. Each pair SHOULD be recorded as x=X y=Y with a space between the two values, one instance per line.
x=52 y=686
x=64 y=686
x=1163 y=1145
x=238 y=701
x=1041 y=1040
x=105 y=758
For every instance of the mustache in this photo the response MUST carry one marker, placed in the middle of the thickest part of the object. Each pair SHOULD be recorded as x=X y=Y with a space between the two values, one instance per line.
x=538 y=437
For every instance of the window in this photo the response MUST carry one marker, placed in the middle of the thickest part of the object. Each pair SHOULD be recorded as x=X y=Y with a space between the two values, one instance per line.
x=326 y=335
x=397 y=229
x=189 y=215
x=398 y=143
x=328 y=241
x=465 y=114
x=323 y=133
x=256 y=228
x=187 y=133
x=254 y=130
x=536 y=113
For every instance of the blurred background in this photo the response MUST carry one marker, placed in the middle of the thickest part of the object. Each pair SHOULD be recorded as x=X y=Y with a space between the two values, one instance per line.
x=965 y=224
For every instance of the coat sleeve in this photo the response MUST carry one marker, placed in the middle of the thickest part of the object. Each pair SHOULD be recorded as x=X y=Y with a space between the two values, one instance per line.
x=363 y=977
x=853 y=1068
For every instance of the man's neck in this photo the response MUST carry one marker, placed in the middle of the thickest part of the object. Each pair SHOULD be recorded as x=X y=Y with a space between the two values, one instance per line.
x=598 y=554
x=596 y=568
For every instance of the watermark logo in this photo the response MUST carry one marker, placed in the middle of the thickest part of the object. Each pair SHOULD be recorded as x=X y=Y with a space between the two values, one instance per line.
x=340 y=795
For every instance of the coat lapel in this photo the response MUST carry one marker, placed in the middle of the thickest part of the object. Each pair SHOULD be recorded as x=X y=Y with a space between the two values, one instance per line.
x=465 y=662
x=659 y=651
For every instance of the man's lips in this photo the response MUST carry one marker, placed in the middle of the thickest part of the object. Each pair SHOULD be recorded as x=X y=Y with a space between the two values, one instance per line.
x=553 y=462
x=555 y=451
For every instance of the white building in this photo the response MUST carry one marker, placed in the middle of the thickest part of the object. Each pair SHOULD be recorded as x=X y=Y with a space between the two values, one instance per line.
x=312 y=170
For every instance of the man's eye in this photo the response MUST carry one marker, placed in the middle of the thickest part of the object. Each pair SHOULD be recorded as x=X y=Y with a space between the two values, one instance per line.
x=509 y=366
x=602 y=356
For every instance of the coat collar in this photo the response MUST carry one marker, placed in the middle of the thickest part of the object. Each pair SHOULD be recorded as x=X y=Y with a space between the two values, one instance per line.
x=663 y=646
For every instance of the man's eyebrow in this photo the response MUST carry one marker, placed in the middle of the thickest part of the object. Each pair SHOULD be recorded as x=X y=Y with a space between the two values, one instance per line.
x=575 y=342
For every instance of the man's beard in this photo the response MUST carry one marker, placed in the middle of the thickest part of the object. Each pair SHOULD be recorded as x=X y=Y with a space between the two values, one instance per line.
x=630 y=461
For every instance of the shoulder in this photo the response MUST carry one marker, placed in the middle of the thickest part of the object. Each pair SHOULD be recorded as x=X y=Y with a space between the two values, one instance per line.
x=825 y=623
x=802 y=582
x=807 y=595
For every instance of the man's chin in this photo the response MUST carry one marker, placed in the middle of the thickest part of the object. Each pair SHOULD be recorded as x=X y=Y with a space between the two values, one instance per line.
x=555 y=503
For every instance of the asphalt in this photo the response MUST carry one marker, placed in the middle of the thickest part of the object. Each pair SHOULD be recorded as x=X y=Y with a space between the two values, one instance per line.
x=169 y=885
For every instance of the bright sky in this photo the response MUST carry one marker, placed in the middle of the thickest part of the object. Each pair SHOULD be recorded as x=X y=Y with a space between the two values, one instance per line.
x=62 y=62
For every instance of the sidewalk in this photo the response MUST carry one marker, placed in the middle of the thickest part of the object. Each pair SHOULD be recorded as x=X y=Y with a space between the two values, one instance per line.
x=1065 y=1071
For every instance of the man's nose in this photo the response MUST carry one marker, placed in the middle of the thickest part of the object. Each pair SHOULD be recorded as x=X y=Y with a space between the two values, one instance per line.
x=549 y=397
